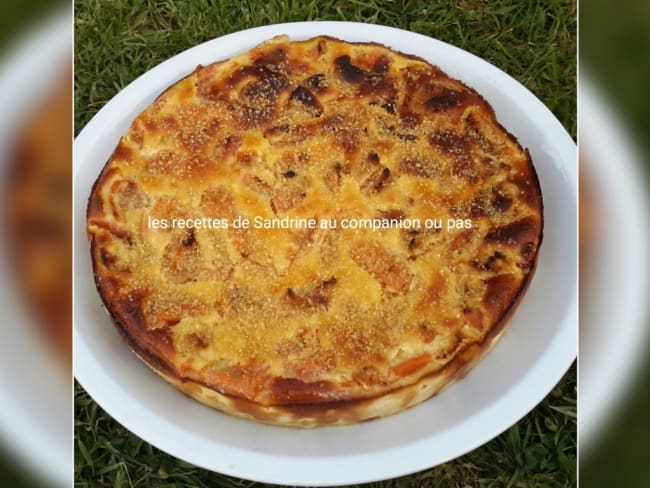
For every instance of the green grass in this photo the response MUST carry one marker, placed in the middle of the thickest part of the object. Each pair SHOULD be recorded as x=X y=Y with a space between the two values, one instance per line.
x=534 y=41
x=614 y=47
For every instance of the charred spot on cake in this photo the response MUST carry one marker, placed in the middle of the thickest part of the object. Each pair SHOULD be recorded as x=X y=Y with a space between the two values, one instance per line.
x=307 y=98
x=501 y=203
x=189 y=238
x=318 y=82
x=381 y=65
x=516 y=233
x=378 y=86
x=527 y=252
x=446 y=99
x=255 y=103
x=373 y=157
x=348 y=71
x=451 y=143
x=389 y=107
x=272 y=57
x=489 y=263
x=267 y=83
x=410 y=120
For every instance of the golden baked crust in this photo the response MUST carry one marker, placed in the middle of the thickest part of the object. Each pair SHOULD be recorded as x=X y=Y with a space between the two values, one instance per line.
x=314 y=326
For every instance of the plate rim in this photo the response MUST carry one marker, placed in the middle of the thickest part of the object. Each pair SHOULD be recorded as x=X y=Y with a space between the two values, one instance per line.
x=564 y=342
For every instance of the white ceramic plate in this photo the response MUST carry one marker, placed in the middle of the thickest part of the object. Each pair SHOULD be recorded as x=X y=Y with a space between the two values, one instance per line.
x=530 y=359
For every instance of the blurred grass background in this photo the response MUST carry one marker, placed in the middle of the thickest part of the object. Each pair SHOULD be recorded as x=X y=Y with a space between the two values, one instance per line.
x=614 y=52
x=534 y=41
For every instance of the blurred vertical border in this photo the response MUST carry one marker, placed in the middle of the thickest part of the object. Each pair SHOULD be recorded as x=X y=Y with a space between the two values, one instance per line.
x=615 y=75
x=35 y=237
